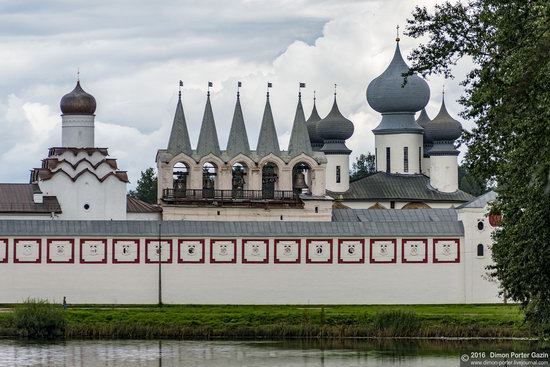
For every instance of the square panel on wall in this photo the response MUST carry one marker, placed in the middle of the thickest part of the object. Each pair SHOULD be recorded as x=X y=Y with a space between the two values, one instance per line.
x=383 y=251
x=351 y=251
x=223 y=251
x=319 y=251
x=191 y=251
x=446 y=250
x=60 y=251
x=155 y=249
x=93 y=251
x=414 y=251
x=125 y=251
x=255 y=251
x=3 y=250
x=27 y=250
x=287 y=251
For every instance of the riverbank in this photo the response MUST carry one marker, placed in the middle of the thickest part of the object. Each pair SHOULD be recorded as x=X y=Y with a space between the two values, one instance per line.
x=285 y=322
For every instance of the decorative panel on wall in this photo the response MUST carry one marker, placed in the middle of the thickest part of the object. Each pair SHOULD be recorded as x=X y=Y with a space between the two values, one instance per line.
x=446 y=250
x=319 y=251
x=223 y=251
x=383 y=251
x=153 y=251
x=414 y=251
x=191 y=251
x=255 y=251
x=125 y=251
x=93 y=251
x=3 y=250
x=27 y=250
x=287 y=251
x=351 y=251
x=60 y=251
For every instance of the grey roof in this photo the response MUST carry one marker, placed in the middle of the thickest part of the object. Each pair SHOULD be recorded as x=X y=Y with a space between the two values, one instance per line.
x=334 y=129
x=18 y=198
x=208 y=137
x=481 y=201
x=395 y=215
x=423 y=118
x=228 y=229
x=238 y=138
x=299 y=137
x=134 y=205
x=443 y=127
x=179 y=136
x=311 y=123
x=382 y=186
x=268 y=141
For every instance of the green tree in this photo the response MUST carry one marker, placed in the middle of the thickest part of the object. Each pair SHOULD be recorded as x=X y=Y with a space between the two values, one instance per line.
x=146 y=189
x=469 y=183
x=507 y=95
x=363 y=166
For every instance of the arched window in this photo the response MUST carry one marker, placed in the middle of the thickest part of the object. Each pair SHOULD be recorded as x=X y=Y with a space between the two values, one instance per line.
x=301 y=178
x=270 y=180
x=180 y=174
x=480 y=250
x=209 y=173
x=239 y=181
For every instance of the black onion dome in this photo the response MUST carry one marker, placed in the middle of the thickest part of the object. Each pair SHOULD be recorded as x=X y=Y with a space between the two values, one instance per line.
x=311 y=124
x=387 y=94
x=335 y=126
x=78 y=102
x=443 y=127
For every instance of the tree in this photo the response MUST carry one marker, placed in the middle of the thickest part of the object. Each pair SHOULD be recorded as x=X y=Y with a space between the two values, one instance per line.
x=469 y=183
x=146 y=189
x=507 y=94
x=363 y=166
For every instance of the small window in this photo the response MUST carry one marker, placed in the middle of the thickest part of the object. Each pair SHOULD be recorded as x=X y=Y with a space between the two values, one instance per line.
x=419 y=159
x=338 y=174
x=480 y=225
x=86 y=206
x=281 y=217
x=480 y=250
x=392 y=204
x=406 y=159
x=388 y=160
x=316 y=209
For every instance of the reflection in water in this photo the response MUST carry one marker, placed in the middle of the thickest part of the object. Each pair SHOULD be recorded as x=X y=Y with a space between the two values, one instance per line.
x=295 y=353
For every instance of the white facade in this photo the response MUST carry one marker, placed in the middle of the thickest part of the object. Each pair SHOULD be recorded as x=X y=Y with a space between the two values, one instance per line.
x=396 y=144
x=444 y=173
x=78 y=131
x=337 y=172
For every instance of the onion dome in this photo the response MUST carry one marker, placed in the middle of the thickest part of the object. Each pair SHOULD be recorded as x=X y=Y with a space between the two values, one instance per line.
x=443 y=127
x=387 y=94
x=423 y=118
x=311 y=123
x=78 y=102
x=334 y=129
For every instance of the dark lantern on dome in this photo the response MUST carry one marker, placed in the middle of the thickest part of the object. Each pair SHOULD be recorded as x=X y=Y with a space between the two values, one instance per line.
x=78 y=102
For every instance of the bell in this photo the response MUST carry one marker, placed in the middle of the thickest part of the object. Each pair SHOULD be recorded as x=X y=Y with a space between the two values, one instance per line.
x=300 y=181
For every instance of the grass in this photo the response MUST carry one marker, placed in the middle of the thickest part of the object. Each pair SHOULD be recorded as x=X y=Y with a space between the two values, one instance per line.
x=280 y=322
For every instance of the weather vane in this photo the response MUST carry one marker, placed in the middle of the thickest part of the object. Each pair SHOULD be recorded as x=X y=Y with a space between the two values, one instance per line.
x=314 y=97
x=269 y=85
x=180 y=85
x=335 y=87
x=209 y=86
x=239 y=85
x=397 y=38
x=78 y=73
x=300 y=86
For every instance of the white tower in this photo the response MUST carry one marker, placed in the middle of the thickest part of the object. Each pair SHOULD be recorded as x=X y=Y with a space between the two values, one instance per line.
x=78 y=109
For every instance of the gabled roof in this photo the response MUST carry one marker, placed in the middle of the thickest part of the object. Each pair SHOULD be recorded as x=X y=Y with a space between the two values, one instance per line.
x=179 y=136
x=208 y=137
x=238 y=138
x=481 y=201
x=134 y=205
x=268 y=141
x=299 y=137
x=382 y=186
x=18 y=198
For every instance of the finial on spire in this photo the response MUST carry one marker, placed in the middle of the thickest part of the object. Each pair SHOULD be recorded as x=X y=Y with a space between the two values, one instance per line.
x=239 y=85
x=180 y=85
x=314 y=97
x=335 y=88
x=209 y=86
x=269 y=85
x=78 y=73
x=397 y=39
x=300 y=86
x=443 y=90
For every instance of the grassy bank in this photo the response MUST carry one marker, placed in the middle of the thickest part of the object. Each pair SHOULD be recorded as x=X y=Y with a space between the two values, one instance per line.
x=280 y=322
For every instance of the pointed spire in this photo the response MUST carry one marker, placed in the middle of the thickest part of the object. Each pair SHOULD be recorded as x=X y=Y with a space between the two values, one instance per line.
x=267 y=141
x=423 y=118
x=238 y=138
x=299 y=137
x=179 y=136
x=208 y=137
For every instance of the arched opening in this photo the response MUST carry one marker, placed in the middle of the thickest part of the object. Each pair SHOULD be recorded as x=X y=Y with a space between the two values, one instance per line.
x=209 y=179
x=301 y=178
x=239 y=182
x=480 y=250
x=180 y=174
x=270 y=180
x=416 y=205
x=377 y=206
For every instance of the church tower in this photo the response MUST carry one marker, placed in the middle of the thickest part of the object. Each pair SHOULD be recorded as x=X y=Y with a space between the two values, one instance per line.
x=77 y=109
x=398 y=138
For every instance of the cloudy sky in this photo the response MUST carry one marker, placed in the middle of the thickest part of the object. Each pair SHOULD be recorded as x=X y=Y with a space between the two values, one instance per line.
x=132 y=53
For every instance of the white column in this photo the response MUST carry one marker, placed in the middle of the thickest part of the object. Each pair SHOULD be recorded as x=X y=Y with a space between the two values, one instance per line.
x=333 y=162
x=77 y=131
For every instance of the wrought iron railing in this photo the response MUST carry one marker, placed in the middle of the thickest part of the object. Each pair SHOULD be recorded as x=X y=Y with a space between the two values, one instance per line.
x=229 y=195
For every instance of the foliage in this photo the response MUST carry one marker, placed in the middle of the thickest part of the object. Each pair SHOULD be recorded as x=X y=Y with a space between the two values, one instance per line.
x=146 y=189
x=397 y=322
x=469 y=183
x=507 y=94
x=39 y=319
x=363 y=166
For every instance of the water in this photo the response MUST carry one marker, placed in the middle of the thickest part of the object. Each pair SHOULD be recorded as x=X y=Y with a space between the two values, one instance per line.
x=348 y=353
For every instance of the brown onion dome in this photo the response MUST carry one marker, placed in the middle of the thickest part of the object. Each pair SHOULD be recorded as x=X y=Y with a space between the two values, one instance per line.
x=78 y=102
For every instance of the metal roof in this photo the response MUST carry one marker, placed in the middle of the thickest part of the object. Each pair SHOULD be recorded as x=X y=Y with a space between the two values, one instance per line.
x=481 y=201
x=179 y=136
x=382 y=186
x=299 y=137
x=267 y=140
x=208 y=137
x=394 y=215
x=228 y=229
x=238 y=138
x=18 y=198
x=134 y=205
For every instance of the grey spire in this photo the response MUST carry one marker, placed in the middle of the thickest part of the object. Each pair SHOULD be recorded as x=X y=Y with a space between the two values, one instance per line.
x=267 y=141
x=299 y=137
x=238 y=139
x=311 y=124
x=423 y=118
x=335 y=129
x=443 y=130
x=179 y=136
x=208 y=137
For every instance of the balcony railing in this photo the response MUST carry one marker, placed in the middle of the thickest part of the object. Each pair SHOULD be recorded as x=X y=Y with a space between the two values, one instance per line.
x=230 y=197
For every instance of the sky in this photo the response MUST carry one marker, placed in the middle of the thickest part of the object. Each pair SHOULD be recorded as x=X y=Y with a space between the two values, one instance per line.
x=131 y=55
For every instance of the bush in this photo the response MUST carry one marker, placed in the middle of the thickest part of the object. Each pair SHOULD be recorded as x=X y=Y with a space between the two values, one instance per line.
x=397 y=323
x=39 y=319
